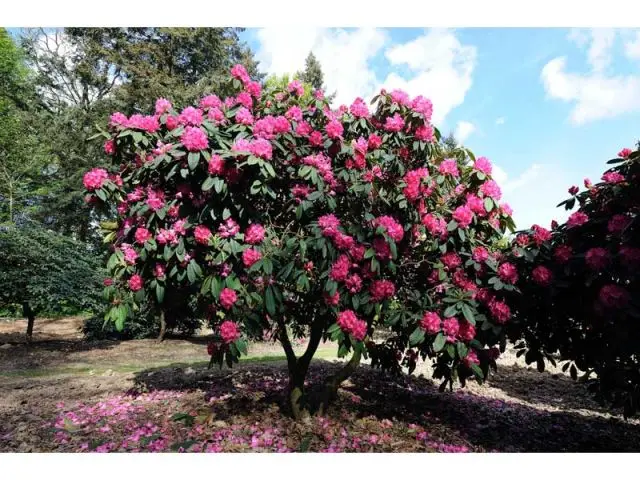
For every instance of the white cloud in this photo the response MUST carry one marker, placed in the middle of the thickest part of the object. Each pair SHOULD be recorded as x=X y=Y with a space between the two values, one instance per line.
x=344 y=56
x=500 y=120
x=632 y=47
x=440 y=67
x=596 y=94
x=463 y=130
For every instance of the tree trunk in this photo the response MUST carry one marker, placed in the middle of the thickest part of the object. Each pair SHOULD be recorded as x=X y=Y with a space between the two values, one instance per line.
x=299 y=367
x=31 y=318
x=334 y=382
x=163 y=326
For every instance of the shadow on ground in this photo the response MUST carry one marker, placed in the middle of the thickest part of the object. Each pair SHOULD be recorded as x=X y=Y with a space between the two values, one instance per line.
x=485 y=423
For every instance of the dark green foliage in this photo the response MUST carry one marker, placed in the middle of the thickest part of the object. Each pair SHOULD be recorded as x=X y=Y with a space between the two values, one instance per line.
x=45 y=271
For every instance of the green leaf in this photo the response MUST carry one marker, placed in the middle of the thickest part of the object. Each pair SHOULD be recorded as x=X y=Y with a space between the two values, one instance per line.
x=462 y=350
x=193 y=159
x=101 y=195
x=439 y=342
x=488 y=204
x=270 y=301
x=208 y=183
x=417 y=337
x=159 y=292
x=468 y=314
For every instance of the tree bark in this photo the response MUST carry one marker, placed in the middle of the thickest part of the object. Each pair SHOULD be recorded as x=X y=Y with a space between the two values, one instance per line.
x=163 y=326
x=334 y=382
x=299 y=367
x=31 y=318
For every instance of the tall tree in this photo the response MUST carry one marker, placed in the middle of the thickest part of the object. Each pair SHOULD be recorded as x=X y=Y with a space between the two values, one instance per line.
x=313 y=72
x=178 y=63
x=21 y=156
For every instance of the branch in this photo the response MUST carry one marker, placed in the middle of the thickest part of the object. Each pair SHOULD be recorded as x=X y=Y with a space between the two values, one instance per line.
x=286 y=344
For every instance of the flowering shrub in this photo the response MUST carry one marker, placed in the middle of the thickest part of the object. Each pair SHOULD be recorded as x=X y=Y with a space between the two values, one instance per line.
x=580 y=286
x=278 y=213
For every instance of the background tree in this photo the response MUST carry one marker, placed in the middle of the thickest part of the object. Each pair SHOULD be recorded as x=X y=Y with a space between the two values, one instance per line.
x=312 y=74
x=46 y=271
x=21 y=150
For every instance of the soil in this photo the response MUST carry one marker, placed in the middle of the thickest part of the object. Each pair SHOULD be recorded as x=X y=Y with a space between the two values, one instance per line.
x=518 y=409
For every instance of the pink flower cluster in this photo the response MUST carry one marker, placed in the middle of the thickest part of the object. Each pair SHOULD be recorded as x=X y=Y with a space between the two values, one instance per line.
x=352 y=325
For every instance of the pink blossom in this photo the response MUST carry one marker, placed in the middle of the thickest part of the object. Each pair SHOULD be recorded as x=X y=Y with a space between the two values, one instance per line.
x=229 y=228
x=482 y=164
x=159 y=270
x=435 y=225
x=118 y=120
x=135 y=283
x=250 y=256
x=229 y=331
x=391 y=226
x=382 y=289
x=353 y=283
x=254 y=89
x=315 y=138
x=244 y=117
x=424 y=133
x=508 y=273
x=573 y=190
x=451 y=327
x=451 y=260
x=238 y=71
x=430 y=322
x=576 y=219
x=333 y=300
x=491 y=189
x=480 y=254
x=194 y=139
x=245 y=99
x=630 y=255
x=190 y=116
x=562 y=253
x=210 y=101
x=463 y=215
x=614 y=296
x=540 y=235
x=155 y=199
x=500 y=311
x=359 y=108
x=351 y=324
x=163 y=106
x=303 y=129
x=471 y=358
x=374 y=141
x=254 y=234
x=613 y=177
x=542 y=275
x=261 y=148
x=597 y=258
x=296 y=87
x=449 y=166
x=423 y=106
x=467 y=331
x=166 y=236
x=228 y=298
x=216 y=165
x=130 y=255
x=95 y=178
x=110 y=147
x=202 y=234
x=394 y=123
x=476 y=204
x=143 y=235
x=294 y=113
x=334 y=129
x=625 y=152
x=400 y=97
x=340 y=269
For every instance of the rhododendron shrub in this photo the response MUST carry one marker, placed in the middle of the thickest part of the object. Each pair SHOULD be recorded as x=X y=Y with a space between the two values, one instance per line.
x=282 y=215
x=580 y=286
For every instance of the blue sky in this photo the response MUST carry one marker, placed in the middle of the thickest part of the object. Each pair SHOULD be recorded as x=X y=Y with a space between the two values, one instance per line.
x=547 y=106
